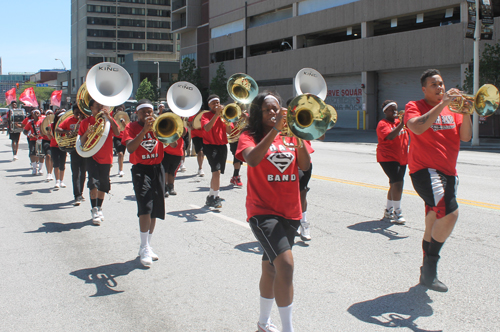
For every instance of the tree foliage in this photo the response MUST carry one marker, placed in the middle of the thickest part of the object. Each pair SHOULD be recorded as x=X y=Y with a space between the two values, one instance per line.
x=145 y=91
x=218 y=84
x=189 y=72
x=489 y=68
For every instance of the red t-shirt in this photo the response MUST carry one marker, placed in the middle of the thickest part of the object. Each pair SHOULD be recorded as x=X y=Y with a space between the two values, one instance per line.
x=395 y=150
x=69 y=123
x=29 y=128
x=149 y=152
x=217 y=135
x=438 y=146
x=105 y=155
x=178 y=150
x=53 y=142
x=195 y=132
x=273 y=185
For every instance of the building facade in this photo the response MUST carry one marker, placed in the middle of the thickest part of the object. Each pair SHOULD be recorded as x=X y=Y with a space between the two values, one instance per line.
x=367 y=50
x=9 y=81
x=108 y=30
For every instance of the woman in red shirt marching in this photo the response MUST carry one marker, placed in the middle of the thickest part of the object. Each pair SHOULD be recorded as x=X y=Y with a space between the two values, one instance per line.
x=273 y=203
x=392 y=154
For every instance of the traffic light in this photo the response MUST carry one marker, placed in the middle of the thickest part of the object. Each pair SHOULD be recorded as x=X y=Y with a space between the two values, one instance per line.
x=17 y=85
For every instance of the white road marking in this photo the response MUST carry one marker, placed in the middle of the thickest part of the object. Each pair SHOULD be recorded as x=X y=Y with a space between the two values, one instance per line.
x=219 y=215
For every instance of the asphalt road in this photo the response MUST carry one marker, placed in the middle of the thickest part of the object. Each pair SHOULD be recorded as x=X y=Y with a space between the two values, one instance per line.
x=61 y=273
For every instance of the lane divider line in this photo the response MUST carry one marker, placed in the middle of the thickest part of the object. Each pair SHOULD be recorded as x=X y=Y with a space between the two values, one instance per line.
x=221 y=216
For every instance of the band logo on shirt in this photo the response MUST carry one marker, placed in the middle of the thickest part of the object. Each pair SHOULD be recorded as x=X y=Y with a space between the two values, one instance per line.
x=443 y=122
x=149 y=144
x=282 y=158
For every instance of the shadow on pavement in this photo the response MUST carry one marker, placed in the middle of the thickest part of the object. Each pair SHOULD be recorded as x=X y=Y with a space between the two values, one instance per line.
x=57 y=227
x=28 y=192
x=250 y=247
x=130 y=198
x=205 y=189
x=192 y=214
x=18 y=170
x=103 y=277
x=396 y=310
x=50 y=206
x=378 y=227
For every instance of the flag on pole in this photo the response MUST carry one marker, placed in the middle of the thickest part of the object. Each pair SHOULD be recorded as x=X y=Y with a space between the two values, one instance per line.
x=28 y=97
x=10 y=96
x=55 y=98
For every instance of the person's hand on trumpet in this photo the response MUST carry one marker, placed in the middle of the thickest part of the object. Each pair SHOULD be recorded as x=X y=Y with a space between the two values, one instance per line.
x=280 y=118
x=450 y=95
x=148 y=124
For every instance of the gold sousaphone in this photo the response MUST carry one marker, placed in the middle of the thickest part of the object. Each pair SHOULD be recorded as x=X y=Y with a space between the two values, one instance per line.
x=66 y=142
x=109 y=84
x=485 y=102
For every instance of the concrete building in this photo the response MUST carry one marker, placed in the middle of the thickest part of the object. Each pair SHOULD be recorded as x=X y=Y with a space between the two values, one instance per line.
x=9 y=81
x=367 y=50
x=108 y=30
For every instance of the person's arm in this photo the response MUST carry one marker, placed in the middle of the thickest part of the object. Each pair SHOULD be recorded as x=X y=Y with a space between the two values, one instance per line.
x=209 y=125
x=254 y=155
x=133 y=144
x=395 y=132
x=466 y=128
x=303 y=158
x=114 y=127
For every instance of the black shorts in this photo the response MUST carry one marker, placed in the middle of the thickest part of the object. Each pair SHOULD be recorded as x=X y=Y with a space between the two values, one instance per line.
x=198 y=144
x=149 y=188
x=304 y=178
x=58 y=158
x=119 y=147
x=186 y=142
x=32 y=147
x=216 y=156
x=14 y=136
x=171 y=163
x=233 y=147
x=98 y=175
x=394 y=171
x=437 y=189
x=46 y=148
x=274 y=233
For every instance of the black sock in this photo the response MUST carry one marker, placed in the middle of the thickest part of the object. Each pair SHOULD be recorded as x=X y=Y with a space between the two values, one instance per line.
x=236 y=172
x=425 y=246
x=99 y=202
x=93 y=202
x=434 y=247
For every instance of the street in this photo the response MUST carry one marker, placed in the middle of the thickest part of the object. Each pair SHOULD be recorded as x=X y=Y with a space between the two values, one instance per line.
x=61 y=273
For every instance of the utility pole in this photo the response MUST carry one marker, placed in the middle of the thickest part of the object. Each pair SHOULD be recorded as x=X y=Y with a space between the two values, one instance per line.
x=477 y=38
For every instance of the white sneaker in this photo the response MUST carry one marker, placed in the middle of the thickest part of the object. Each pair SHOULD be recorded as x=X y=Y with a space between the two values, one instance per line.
x=269 y=327
x=95 y=216
x=57 y=185
x=182 y=168
x=121 y=174
x=40 y=172
x=62 y=185
x=145 y=254
x=15 y=158
x=305 y=233
x=388 y=215
x=201 y=173
x=49 y=177
x=33 y=171
x=398 y=217
x=99 y=212
x=153 y=255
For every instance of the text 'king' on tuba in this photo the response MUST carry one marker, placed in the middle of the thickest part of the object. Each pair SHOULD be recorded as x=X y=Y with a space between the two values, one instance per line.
x=109 y=84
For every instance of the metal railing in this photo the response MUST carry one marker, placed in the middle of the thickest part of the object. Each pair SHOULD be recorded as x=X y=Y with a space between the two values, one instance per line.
x=178 y=4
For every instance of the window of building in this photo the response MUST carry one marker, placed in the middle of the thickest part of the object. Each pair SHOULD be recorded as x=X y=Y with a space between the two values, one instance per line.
x=159 y=24
x=101 y=9
x=160 y=47
x=159 y=12
x=131 y=23
x=100 y=45
x=131 y=46
x=131 y=34
x=160 y=35
x=131 y=11
x=227 y=28
x=190 y=56
x=121 y=59
x=332 y=36
x=101 y=21
x=159 y=2
x=236 y=53
x=312 y=6
x=73 y=83
x=101 y=33
x=409 y=22
x=127 y=1
x=270 y=17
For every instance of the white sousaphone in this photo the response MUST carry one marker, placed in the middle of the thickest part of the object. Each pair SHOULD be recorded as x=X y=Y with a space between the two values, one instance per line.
x=110 y=85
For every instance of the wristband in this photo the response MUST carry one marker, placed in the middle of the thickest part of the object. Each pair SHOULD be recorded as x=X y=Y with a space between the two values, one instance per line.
x=276 y=129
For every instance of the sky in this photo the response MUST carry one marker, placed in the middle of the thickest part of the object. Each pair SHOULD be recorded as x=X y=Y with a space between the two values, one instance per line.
x=34 y=33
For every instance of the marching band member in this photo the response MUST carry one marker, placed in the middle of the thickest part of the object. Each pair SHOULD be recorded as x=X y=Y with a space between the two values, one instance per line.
x=392 y=155
x=215 y=147
x=47 y=152
x=172 y=155
x=146 y=154
x=435 y=134
x=197 y=139
x=273 y=203
x=233 y=146
x=14 y=137
x=58 y=156
x=99 y=165
x=70 y=126
x=32 y=131
x=117 y=143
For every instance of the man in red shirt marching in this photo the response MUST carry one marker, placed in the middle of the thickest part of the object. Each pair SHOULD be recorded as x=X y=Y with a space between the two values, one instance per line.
x=435 y=134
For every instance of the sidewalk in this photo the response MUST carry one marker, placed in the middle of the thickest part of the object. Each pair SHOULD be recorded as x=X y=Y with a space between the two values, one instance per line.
x=348 y=135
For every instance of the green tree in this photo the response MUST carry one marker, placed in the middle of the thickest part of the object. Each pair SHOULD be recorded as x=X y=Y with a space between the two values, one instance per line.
x=218 y=84
x=145 y=91
x=189 y=72
x=489 y=68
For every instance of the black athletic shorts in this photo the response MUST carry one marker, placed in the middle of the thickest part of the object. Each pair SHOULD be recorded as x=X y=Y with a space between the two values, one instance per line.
x=304 y=178
x=437 y=189
x=98 y=175
x=149 y=188
x=58 y=158
x=46 y=148
x=171 y=163
x=274 y=233
x=198 y=144
x=233 y=147
x=216 y=156
x=32 y=148
x=14 y=136
x=185 y=138
x=394 y=171
x=119 y=147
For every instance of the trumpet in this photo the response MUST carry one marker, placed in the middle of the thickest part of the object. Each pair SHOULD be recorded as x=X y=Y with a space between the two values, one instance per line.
x=485 y=102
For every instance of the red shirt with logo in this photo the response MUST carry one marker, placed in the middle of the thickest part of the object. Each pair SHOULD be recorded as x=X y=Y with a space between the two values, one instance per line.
x=439 y=145
x=178 y=150
x=195 y=132
x=273 y=185
x=36 y=130
x=149 y=152
x=395 y=150
x=217 y=135
x=105 y=155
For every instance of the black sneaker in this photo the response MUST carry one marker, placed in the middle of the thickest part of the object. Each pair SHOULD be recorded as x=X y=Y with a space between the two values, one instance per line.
x=209 y=201
x=171 y=190
x=78 y=201
x=166 y=191
x=217 y=202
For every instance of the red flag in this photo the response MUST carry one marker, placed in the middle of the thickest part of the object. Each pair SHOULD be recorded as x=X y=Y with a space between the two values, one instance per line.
x=55 y=98
x=28 y=97
x=10 y=96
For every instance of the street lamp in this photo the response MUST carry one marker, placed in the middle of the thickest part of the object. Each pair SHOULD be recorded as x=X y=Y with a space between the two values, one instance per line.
x=94 y=53
x=62 y=63
x=158 y=82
